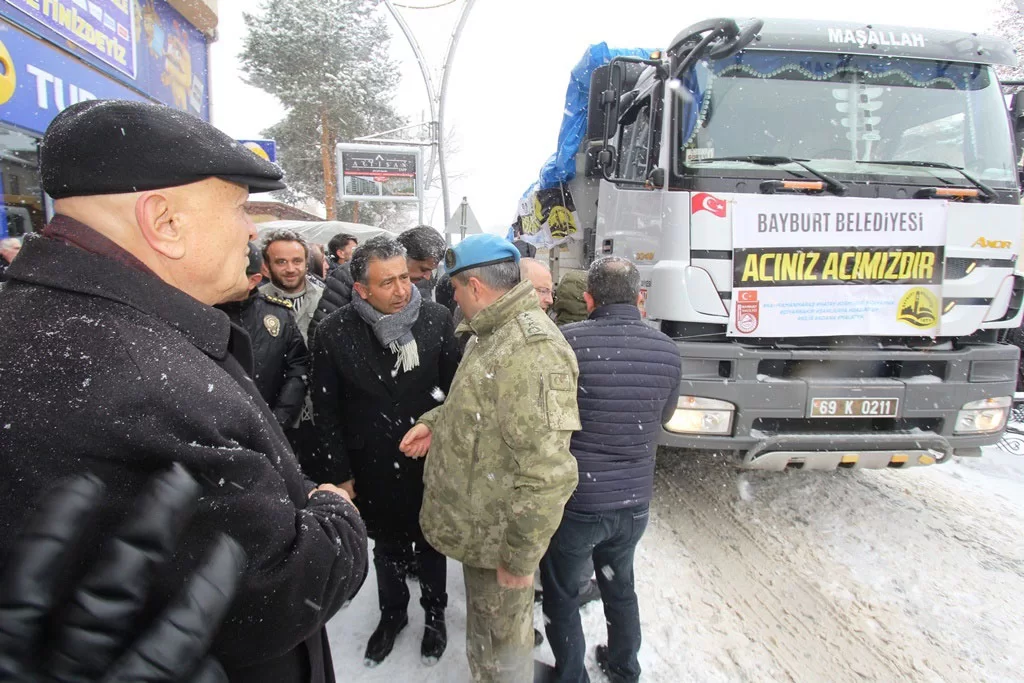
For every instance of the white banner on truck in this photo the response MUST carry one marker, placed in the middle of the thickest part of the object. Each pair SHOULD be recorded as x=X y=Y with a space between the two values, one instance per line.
x=825 y=267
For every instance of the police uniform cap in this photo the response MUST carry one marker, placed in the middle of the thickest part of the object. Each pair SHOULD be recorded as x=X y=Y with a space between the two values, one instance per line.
x=477 y=251
x=120 y=146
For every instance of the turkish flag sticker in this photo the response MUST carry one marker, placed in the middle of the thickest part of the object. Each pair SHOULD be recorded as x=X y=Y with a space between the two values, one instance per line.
x=747 y=295
x=702 y=201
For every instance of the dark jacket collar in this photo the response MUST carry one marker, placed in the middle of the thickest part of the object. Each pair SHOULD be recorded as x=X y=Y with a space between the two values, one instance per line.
x=622 y=311
x=237 y=307
x=70 y=231
x=56 y=264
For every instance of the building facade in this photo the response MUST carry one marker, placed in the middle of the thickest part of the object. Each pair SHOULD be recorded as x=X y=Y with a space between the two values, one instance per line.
x=54 y=53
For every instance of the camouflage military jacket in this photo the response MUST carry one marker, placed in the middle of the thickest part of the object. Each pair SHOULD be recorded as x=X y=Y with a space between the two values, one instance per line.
x=499 y=470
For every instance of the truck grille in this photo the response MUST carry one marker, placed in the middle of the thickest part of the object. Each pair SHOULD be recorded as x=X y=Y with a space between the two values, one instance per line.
x=851 y=369
x=793 y=425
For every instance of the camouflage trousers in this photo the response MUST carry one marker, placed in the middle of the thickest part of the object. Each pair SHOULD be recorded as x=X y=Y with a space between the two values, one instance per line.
x=499 y=629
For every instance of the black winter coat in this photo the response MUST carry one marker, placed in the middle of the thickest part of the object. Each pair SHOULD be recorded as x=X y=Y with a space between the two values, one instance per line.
x=444 y=293
x=280 y=357
x=337 y=294
x=109 y=370
x=362 y=410
x=628 y=386
x=94 y=617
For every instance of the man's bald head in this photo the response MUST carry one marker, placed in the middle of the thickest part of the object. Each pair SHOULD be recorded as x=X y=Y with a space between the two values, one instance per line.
x=540 y=276
x=194 y=237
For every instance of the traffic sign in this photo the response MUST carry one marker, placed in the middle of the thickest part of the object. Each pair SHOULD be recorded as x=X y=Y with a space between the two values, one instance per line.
x=463 y=222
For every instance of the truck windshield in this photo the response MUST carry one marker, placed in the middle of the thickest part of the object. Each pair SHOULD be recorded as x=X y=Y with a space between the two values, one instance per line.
x=844 y=111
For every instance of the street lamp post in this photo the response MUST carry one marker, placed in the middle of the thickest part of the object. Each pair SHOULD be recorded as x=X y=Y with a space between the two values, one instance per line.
x=437 y=100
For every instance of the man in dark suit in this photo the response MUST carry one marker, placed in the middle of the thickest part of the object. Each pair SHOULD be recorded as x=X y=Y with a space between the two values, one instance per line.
x=378 y=365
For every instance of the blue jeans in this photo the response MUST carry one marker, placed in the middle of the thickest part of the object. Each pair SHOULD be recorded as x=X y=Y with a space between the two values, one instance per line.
x=611 y=538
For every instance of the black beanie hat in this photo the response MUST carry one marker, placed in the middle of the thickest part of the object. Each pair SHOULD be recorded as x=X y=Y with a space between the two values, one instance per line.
x=120 y=146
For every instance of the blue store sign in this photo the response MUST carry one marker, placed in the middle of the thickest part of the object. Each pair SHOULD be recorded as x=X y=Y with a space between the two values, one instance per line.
x=103 y=28
x=265 y=149
x=169 y=55
x=37 y=81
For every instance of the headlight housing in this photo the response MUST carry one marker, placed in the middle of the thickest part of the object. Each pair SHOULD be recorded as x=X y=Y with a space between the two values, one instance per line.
x=696 y=415
x=983 y=417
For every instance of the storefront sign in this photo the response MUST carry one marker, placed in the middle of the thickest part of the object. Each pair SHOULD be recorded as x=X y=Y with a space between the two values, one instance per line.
x=170 y=54
x=379 y=173
x=817 y=267
x=37 y=81
x=265 y=149
x=103 y=28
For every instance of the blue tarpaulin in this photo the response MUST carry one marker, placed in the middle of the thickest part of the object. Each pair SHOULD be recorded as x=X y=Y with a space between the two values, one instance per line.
x=561 y=167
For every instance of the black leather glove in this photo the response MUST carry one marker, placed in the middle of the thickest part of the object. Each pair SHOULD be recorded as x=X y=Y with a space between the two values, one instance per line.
x=90 y=632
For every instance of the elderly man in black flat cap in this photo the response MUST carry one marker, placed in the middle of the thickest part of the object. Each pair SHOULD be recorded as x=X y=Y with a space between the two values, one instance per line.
x=131 y=368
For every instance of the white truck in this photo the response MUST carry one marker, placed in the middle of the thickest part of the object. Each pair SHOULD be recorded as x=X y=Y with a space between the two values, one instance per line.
x=827 y=218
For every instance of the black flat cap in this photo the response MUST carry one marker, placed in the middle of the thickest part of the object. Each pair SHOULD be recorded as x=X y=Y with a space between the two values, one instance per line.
x=120 y=146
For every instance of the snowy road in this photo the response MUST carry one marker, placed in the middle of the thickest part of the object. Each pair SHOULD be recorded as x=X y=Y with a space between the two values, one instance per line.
x=802 y=576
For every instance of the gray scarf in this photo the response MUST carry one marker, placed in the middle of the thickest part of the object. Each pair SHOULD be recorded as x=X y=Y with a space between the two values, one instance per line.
x=394 y=331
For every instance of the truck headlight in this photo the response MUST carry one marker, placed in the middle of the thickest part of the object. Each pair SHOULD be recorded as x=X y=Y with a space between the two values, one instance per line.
x=984 y=416
x=696 y=415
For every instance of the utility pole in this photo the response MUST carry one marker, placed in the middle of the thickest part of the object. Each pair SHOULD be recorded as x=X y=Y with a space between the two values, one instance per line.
x=437 y=99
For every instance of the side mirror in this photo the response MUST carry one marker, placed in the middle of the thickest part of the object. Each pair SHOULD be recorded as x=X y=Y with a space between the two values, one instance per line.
x=595 y=107
x=715 y=38
x=728 y=48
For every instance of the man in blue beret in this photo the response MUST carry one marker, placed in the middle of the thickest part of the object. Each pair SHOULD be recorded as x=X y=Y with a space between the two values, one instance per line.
x=498 y=469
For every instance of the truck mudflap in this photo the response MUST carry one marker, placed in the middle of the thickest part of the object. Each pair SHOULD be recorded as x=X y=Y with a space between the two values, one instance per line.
x=861 y=451
x=827 y=408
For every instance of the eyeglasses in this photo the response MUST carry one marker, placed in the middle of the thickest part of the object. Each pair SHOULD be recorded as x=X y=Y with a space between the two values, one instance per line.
x=543 y=291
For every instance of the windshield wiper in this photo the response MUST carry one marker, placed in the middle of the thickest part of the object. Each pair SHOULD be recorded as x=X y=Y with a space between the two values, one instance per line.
x=989 y=193
x=834 y=185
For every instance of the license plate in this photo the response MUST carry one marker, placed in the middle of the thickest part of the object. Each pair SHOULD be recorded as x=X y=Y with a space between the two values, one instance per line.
x=854 y=407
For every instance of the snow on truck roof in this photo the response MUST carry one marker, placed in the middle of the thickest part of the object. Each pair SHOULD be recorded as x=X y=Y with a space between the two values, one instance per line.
x=882 y=39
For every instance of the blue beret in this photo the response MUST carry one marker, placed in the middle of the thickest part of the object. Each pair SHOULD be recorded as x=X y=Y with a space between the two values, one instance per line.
x=479 y=250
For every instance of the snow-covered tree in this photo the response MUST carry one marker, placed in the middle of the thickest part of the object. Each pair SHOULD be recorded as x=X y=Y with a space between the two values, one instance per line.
x=298 y=151
x=1009 y=23
x=328 y=63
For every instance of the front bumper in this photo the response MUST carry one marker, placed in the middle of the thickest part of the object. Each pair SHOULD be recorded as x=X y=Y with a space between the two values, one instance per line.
x=772 y=390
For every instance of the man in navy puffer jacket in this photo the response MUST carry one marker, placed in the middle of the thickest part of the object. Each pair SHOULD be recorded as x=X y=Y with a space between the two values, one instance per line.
x=628 y=388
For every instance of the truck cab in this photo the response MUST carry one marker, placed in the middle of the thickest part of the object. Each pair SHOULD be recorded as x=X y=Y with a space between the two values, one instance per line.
x=827 y=219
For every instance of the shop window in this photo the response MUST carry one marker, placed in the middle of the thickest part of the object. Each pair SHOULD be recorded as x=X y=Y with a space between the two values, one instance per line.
x=23 y=209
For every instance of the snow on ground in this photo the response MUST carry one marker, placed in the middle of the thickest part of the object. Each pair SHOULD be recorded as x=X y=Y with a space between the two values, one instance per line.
x=797 y=576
